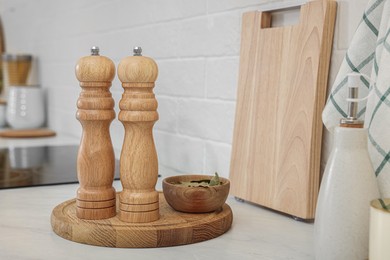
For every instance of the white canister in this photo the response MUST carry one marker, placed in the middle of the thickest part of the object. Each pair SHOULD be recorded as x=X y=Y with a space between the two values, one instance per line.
x=26 y=107
x=379 y=231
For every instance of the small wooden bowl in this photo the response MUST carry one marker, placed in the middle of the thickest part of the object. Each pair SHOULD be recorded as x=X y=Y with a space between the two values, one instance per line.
x=195 y=199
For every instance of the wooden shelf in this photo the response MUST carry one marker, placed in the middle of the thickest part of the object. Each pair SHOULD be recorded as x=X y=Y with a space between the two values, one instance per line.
x=172 y=229
x=27 y=133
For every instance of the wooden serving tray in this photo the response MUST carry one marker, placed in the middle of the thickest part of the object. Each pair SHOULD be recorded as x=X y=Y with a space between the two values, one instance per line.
x=27 y=133
x=172 y=229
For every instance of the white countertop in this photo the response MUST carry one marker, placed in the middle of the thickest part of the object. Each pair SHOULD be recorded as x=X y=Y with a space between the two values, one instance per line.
x=256 y=233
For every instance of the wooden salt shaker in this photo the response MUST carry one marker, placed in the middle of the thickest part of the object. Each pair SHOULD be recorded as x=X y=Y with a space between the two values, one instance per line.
x=138 y=162
x=96 y=160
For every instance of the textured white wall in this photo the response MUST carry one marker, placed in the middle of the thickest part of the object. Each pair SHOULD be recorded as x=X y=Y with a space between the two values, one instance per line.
x=195 y=43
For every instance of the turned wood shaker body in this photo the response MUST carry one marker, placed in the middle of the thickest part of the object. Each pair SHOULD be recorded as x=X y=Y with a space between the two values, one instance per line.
x=138 y=162
x=95 y=160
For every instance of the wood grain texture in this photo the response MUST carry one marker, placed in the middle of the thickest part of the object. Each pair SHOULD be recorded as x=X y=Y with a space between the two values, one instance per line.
x=138 y=161
x=95 y=160
x=2 y=39
x=2 y=50
x=172 y=229
x=195 y=199
x=281 y=93
x=27 y=133
x=17 y=71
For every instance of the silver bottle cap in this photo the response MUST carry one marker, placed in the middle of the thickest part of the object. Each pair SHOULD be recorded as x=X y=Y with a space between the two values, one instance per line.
x=353 y=93
x=137 y=51
x=95 y=51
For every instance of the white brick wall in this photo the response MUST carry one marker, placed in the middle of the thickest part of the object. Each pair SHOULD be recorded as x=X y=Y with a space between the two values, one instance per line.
x=195 y=43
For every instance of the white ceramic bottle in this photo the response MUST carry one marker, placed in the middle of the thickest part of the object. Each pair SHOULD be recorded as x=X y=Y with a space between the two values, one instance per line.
x=348 y=185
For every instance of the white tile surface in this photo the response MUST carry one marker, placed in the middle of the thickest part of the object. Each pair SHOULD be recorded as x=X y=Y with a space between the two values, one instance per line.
x=207 y=119
x=349 y=15
x=216 y=156
x=179 y=152
x=181 y=77
x=222 y=77
x=167 y=110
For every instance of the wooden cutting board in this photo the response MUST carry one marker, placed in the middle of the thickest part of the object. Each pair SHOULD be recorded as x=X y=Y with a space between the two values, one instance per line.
x=281 y=93
x=2 y=41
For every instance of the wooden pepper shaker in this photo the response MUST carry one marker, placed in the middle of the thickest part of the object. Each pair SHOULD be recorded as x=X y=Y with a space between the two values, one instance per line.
x=138 y=162
x=96 y=160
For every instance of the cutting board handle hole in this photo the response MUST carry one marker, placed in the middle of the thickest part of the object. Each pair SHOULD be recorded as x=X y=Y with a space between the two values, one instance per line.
x=281 y=18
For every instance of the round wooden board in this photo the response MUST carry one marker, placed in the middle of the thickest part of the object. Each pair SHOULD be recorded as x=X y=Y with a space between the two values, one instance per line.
x=172 y=229
x=27 y=133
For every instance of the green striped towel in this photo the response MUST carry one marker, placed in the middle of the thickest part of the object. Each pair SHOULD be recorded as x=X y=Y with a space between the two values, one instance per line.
x=368 y=53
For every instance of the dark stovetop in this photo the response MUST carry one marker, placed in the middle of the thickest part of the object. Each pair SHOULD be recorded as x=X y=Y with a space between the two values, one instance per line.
x=39 y=166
